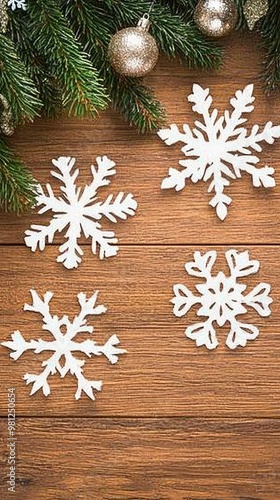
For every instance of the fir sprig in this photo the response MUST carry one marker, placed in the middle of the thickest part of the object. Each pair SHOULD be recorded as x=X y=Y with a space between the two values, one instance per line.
x=17 y=186
x=36 y=67
x=269 y=28
x=16 y=86
x=183 y=8
x=136 y=102
x=82 y=91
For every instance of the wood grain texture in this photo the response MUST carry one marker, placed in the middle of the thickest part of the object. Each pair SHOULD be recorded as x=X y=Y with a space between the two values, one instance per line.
x=147 y=459
x=164 y=373
x=173 y=422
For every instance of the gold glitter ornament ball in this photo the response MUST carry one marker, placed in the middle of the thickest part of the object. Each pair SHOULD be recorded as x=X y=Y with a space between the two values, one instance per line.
x=133 y=51
x=216 y=18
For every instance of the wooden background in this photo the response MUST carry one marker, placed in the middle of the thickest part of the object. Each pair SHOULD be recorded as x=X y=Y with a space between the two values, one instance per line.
x=173 y=422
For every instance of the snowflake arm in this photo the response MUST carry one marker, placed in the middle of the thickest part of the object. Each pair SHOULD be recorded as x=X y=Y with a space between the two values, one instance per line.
x=109 y=349
x=88 y=347
x=105 y=168
x=19 y=345
x=88 y=307
x=211 y=127
x=17 y=4
x=84 y=385
x=70 y=251
x=103 y=240
x=41 y=381
x=51 y=323
x=47 y=201
x=38 y=235
x=183 y=301
x=64 y=165
x=242 y=102
x=240 y=333
x=201 y=266
x=42 y=307
x=203 y=334
x=172 y=135
x=121 y=207
x=240 y=265
x=262 y=176
x=193 y=169
x=244 y=142
x=259 y=299
x=220 y=201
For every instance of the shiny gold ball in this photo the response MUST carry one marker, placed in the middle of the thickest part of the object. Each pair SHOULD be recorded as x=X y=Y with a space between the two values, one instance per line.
x=133 y=52
x=216 y=18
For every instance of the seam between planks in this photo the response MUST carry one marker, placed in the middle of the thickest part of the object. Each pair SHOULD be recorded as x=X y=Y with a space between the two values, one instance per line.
x=147 y=245
x=145 y=417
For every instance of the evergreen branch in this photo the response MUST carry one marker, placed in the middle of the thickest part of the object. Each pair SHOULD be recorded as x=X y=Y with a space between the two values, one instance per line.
x=17 y=186
x=269 y=28
x=183 y=8
x=16 y=86
x=135 y=101
x=92 y=25
x=82 y=91
x=36 y=67
x=174 y=36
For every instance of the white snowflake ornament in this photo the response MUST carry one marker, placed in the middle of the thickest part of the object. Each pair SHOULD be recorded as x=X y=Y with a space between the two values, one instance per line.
x=17 y=4
x=81 y=211
x=219 y=148
x=63 y=344
x=222 y=299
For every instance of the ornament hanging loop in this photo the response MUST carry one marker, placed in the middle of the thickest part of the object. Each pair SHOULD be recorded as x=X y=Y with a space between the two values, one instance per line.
x=144 y=22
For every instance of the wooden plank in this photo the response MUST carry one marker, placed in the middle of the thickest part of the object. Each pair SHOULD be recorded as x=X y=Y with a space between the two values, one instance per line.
x=145 y=459
x=143 y=161
x=163 y=373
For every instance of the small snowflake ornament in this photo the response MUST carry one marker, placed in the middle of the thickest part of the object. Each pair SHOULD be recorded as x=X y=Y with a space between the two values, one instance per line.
x=17 y=4
x=219 y=149
x=64 y=344
x=221 y=299
x=80 y=210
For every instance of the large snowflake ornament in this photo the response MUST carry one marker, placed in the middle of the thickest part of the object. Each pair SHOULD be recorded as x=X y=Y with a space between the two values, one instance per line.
x=219 y=148
x=81 y=211
x=222 y=299
x=64 y=344
x=17 y=4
